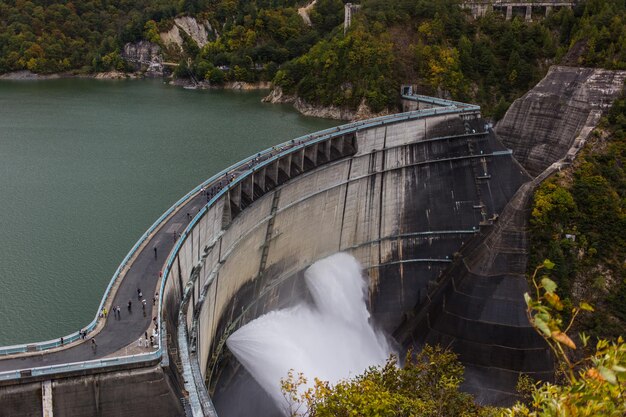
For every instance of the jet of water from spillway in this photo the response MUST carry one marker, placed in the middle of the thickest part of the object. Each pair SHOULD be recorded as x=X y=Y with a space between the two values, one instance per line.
x=331 y=339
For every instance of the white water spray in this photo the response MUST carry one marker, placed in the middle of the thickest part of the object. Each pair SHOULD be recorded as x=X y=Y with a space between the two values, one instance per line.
x=331 y=339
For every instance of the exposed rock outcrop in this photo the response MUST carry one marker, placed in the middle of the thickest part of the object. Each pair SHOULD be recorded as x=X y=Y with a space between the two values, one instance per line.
x=542 y=125
x=304 y=12
x=327 y=112
x=142 y=51
x=231 y=85
x=114 y=75
x=196 y=30
x=241 y=85
x=144 y=56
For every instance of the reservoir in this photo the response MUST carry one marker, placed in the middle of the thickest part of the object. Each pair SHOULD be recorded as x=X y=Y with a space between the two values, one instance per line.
x=86 y=166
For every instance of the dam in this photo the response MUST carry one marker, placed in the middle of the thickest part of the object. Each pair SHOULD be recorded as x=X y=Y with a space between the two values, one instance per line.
x=431 y=202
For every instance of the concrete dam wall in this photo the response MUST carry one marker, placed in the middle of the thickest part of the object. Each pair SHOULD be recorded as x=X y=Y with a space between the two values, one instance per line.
x=131 y=392
x=402 y=198
x=436 y=211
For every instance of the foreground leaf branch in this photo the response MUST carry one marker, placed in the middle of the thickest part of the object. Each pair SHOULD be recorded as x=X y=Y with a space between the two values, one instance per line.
x=595 y=384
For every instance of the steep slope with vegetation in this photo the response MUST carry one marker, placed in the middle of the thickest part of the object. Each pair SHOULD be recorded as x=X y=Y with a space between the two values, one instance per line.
x=256 y=37
x=436 y=46
x=432 y=44
x=578 y=220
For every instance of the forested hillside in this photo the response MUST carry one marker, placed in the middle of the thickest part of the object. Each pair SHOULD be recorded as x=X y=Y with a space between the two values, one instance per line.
x=47 y=36
x=433 y=44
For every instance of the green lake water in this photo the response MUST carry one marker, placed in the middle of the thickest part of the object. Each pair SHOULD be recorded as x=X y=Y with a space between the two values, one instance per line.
x=86 y=166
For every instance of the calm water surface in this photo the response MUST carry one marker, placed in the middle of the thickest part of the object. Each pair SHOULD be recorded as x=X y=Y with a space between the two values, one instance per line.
x=86 y=166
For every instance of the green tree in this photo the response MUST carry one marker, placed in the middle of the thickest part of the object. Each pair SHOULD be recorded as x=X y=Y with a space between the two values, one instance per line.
x=344 y=71
x=427 y=385
x=151 y=32
x=577 y=221
x=327 y=14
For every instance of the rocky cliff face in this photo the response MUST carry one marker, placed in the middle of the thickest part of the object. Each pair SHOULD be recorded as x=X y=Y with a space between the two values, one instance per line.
x=542 y=125
x=197 y=30
x=144 y=56
x=142 y=51
x=27 y=75
x=304 y=12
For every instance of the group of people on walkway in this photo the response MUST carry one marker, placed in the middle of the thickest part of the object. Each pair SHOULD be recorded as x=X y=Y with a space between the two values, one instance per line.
x=117 y=312
x=82 y=333
x=149 y=341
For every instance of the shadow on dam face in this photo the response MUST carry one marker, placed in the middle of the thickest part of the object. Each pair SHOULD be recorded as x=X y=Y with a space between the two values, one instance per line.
x=403 y=205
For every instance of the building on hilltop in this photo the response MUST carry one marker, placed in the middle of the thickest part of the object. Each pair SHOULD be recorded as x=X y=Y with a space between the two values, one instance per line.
x=510 y=8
